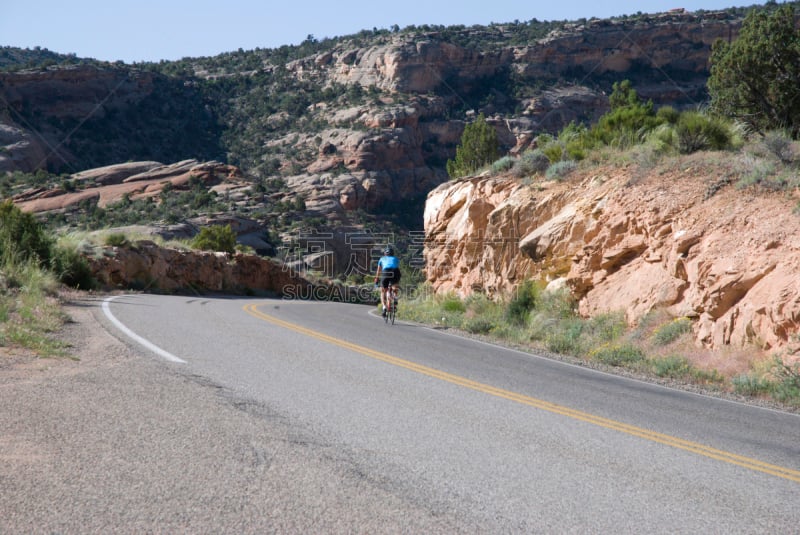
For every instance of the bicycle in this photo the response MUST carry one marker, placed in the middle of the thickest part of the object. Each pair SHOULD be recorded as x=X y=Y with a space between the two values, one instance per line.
x=391 y=298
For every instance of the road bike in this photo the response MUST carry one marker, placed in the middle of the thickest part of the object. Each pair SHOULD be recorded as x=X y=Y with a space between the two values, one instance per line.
x=391 y=299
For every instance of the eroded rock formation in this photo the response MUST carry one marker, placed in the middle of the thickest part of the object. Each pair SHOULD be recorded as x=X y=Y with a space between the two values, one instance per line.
x=146 y=266
x=624 y=242
x=136 y=180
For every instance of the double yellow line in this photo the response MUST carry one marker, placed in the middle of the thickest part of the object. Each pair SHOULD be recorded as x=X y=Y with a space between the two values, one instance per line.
x=693 y=447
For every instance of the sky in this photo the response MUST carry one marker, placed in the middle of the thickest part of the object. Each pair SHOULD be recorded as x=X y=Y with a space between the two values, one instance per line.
x=148 y=30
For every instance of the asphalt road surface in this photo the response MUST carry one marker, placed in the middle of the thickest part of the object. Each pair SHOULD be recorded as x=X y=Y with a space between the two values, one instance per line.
x=291 y=416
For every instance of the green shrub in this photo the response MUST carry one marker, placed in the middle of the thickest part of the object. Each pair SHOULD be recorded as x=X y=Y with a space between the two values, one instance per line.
x=668 y=114
x=71 y=268
x=565 y=337
x=663 y=139
x=628 y=122
x=531 y=162
x=697 y=131
x=617 y=355
x=553 y=151
x=560 y=170
x=478 y=325
x=216 y=238
x=503 y=164
x=673 y=366
x=787 y=385
x=606 y=327
x=22 y=237
x=116 y=239
x=452 y=303
x=780 y=145
x=750 y=385
x=479 y=146
x=668 y=333
x=523 y=300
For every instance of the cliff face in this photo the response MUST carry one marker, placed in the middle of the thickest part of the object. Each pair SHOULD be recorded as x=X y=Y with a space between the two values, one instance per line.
x=623 y=242
x=147 y=266
x=61 y=96
x=665 y=43
x=393 y=144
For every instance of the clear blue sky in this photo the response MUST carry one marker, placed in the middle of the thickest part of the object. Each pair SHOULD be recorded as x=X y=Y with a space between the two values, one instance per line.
x=148 y=30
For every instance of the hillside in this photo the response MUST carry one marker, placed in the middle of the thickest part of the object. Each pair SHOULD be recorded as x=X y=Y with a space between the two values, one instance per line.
x=684 y=239
x=347 y=132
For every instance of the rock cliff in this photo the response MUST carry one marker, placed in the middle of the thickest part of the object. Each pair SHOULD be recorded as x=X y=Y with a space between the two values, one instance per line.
x=358 y=154
x=146 y=266
x=681 y=241
x=135 y=180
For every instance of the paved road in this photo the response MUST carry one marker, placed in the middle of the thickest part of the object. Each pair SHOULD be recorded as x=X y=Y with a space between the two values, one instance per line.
x=339 y=423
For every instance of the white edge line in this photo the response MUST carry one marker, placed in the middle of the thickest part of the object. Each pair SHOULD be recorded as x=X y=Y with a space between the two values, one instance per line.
x=146 y=343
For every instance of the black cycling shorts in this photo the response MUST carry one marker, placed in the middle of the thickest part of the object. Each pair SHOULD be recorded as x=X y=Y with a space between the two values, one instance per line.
x=390 y=276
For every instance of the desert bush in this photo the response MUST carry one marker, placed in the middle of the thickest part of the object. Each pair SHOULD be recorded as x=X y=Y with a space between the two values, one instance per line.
x=669 y=332
x=478 y=325
x=452 y=303
x=216 y=238
x=71 y=268
x=668 y=115
x=531 y=162
x=560 y=170
x=751 y=385
x=115 y=239
x=697 y=131
x=503 y=164
x=565 y=337
x=29 y=311
x=663 y=139
x=606 y=327
x=523 y=300
x=787 y=381
x=761 y=173
x=22 y=236
x=780 y=145
x=617 y=355
x=673 y=366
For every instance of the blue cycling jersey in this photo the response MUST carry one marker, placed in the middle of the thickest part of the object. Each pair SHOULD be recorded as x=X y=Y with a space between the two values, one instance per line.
x=389 y=262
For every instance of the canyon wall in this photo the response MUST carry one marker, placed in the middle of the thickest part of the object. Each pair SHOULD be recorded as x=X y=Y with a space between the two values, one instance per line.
x=678 y=241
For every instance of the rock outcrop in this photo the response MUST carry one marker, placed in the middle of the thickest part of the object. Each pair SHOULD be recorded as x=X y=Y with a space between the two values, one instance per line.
x=63 y=95
x=729 y=260
x=146 y=266
x=136 y=180
x=389 y=144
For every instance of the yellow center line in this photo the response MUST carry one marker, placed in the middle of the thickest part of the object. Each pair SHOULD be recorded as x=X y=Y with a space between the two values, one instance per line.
x=675 y=442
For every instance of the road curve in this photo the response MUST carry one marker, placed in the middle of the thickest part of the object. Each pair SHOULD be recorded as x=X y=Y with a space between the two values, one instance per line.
x=501 y=440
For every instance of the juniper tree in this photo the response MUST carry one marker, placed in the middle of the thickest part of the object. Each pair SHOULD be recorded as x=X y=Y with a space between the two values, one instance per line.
x=756 y=77
x=479 y=147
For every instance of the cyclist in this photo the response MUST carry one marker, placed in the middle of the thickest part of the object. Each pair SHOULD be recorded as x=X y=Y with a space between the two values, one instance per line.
x=388 y=274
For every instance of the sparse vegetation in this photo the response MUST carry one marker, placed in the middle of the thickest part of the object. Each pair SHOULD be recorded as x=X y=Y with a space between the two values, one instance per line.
x=247 y=107
x=478 y=147
x=668 y=333
x=755 y=78
x=540 y=320
x=216 y=238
